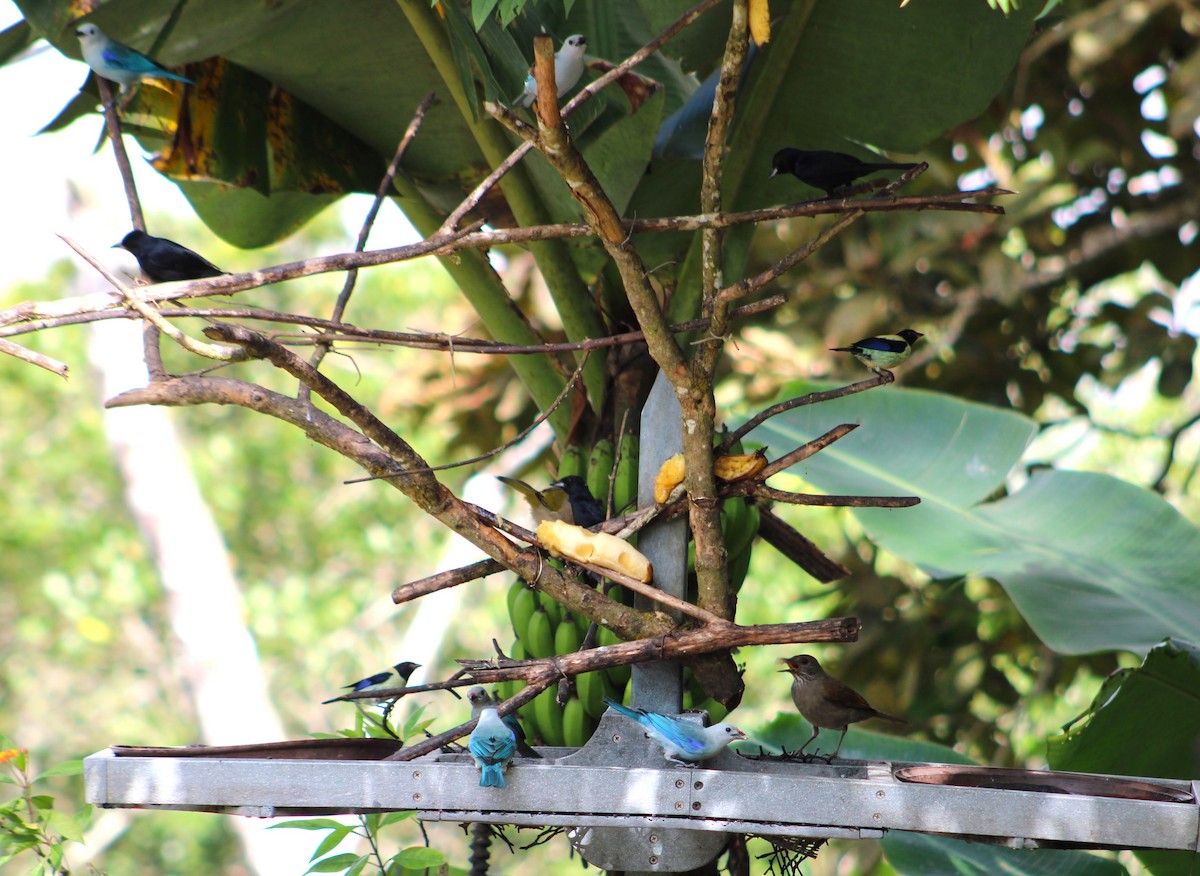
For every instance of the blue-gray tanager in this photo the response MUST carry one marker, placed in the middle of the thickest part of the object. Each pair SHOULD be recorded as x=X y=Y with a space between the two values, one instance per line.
x=380 y=681
x=480 y=699
x=681 y=740
x=117 y=62
x=568 y=67
x=492 y=745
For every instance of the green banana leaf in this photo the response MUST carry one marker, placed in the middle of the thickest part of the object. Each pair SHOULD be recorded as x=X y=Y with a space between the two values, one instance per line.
x=1143 y=722
x=834 y=75
x=1092 y=562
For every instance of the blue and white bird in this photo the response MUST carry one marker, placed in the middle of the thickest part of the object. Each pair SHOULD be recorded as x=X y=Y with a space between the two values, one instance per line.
x=117 y=62
x=568 y=67
x=492 y=745
x=480 y=699
x=884 y=351
x=681 y=741
x=395 y=677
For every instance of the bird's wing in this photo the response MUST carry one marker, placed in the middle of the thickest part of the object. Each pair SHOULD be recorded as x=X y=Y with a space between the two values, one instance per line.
x=125 y=58
x=377 y=678
x=885 y=344
x=687 y=737
x=847 y=697
x=492 y=747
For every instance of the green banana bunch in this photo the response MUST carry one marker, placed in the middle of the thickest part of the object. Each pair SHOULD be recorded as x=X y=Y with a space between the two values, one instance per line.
x=544 y=628
x=577 y=725
x=600 y=469
x=592 y=688
x=548 y=716
x=573 y=461
x=625 y=480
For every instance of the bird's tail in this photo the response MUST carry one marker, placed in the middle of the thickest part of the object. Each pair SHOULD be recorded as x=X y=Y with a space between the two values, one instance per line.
x=167 y=74
x=532 y=496
x=888 y=165
x=492 y=776
x=885 y=716
x=624 y=710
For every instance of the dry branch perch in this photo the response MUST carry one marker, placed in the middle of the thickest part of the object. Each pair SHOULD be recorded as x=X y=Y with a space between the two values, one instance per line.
x=677 y=645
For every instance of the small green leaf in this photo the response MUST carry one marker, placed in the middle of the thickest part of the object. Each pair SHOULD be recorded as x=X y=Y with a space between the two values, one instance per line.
x=481 y=10
x=331 y=842
x=393 y=817
x=336 y=863
x=68 y=768
x=311 y=824
x=420 y=858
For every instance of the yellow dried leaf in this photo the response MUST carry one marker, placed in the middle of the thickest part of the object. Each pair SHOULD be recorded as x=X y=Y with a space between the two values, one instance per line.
x=740 y=467
x=595 y=548
x=670 y=475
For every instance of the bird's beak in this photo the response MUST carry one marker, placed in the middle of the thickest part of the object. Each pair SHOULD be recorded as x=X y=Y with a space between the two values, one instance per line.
x=117 y=246
x=741 y=734
x=773 y=173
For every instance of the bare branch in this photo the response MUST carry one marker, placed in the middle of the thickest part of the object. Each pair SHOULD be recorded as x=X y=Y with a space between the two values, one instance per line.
x=810 y=399
x=385 y=184
x=41 y=361
x=676 y=645
x=152 y=316
x=444 y=580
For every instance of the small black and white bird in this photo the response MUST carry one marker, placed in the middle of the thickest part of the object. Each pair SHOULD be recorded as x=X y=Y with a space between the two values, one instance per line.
x=395 y=677
x=165 y=260
x=883 y=351
x=830 y=171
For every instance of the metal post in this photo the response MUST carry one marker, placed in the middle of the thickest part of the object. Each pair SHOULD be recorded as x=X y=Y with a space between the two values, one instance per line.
x=657 y=687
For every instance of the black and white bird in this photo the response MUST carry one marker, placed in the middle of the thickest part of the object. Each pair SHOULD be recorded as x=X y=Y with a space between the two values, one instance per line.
x=882 y=352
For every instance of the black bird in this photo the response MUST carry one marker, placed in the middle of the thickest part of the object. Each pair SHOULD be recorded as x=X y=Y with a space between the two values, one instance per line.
x=585 y=508
x=165 y=260
x=830 y=171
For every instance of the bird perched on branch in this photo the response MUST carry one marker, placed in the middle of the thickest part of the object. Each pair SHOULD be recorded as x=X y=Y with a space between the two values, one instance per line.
x=165 y=260
x=116 y=61
x=568 y=500
x=568 y=67
x=480 y=699
x=883 y=351
x=395 y=677
x=825 y=702
x=681 y=741
x=492 y=744
x=830 y=171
